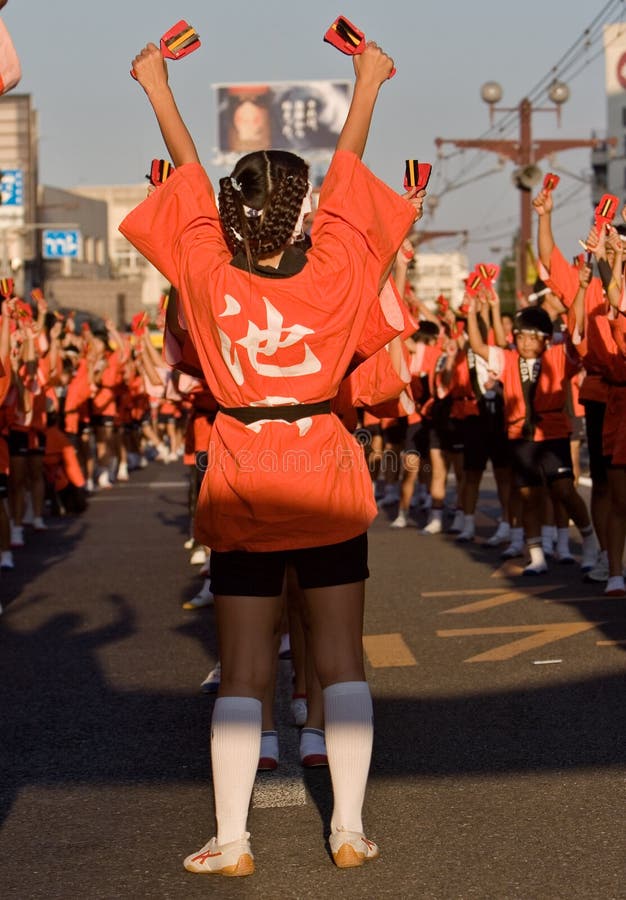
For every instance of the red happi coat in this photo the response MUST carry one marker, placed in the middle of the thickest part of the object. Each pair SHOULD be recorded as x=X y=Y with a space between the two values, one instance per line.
x=275 y=341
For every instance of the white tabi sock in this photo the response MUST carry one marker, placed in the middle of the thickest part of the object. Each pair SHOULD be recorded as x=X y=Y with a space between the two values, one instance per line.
x=235 y=747
x=349 y=733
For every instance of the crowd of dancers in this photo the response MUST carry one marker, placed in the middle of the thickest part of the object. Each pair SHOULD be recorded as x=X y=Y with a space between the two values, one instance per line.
x=304 y=384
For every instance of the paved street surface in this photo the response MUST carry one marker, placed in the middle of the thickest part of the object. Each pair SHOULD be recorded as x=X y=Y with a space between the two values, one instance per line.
x=500 y=704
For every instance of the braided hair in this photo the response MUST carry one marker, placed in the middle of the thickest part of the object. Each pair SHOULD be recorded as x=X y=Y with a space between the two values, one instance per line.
x=261 y=201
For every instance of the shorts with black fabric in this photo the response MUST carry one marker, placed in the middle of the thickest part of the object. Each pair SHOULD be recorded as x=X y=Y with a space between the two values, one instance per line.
x=594 y=421
x=396 y=433
x=4 y=486
x=245 y=573
x=23 y=443
x=417 y=439
x=535 y=463
x=484 y=439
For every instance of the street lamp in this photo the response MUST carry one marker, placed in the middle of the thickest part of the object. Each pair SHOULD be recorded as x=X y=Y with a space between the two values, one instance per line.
x=525 y=154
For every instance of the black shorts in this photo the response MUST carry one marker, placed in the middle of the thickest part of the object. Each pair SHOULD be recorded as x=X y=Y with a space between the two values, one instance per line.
x=484 y=439
x=4 y=485
x=594 y=422
x=24 y=443
x=396 y=433
x=417 y=439
x=243 y=573
x=103 y=421
x=166 y=419
x=446 y=434
x=535 y=463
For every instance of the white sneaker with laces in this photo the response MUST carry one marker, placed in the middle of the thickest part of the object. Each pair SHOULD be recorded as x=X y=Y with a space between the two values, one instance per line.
x=122 y=472
x=104 y=481
x=232 y=859
x=615 y=586
x=535 y=569
x=351 y=848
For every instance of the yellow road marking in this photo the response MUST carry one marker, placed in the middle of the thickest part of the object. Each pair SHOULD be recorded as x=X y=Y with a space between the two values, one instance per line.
x=499 y=600
x=387 y=650
x=539 y=635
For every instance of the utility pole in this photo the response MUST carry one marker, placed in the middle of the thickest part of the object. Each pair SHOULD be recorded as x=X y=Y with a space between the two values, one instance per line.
x=525 y=153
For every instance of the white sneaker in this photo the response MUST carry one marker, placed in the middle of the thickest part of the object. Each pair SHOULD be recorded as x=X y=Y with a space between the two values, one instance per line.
x=589 y=554
x=501 y=535
x=143 y=462
x=122 y=472
x=189 y=544
x=206 y=566
x=29 y=514
x=268 y=754
x=6 y=560
x=400 y=521
x=204 y=597
x=600 y=572
x=89 y=486
x=435 y=526
x=212 y=681
x=39 y=524
x=198 y=557
x=514 y=549
x=234 y=858
x=615 y=586
x=299 y=710
x=458 y=523
x=469 y=530
x=103 y=480
x=351 y=848
x=17 y=536
x=313 y=753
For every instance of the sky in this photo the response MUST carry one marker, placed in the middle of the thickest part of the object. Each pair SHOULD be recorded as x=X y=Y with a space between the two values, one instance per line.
x=96 y=126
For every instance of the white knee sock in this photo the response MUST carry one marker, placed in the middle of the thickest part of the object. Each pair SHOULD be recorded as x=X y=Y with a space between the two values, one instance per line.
x=349 y=733
x=235 y=747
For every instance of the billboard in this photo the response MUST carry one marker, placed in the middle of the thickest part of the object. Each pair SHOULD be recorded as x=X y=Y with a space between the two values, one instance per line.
x=305 y=117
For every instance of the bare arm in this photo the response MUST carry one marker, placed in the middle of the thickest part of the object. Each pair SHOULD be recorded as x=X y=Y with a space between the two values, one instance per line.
x=476 y=342
x=545 y=239
x=372 y=69
x=151 y=71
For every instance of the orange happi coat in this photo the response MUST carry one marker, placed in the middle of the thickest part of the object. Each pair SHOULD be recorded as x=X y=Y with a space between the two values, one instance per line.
x=264 y=341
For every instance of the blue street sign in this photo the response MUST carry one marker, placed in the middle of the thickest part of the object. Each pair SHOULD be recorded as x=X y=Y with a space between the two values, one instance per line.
x=12 y=187
x=61 y=244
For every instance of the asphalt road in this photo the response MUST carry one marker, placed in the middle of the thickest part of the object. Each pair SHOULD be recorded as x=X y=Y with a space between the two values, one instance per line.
x=500 y=707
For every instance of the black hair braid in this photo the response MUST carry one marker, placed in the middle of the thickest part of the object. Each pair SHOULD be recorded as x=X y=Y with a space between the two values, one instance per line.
x=231 y=216
x=281 y=213
x=272 y=182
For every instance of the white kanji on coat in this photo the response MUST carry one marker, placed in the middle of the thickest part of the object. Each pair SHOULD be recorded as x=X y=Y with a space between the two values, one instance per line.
x=266 y=342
